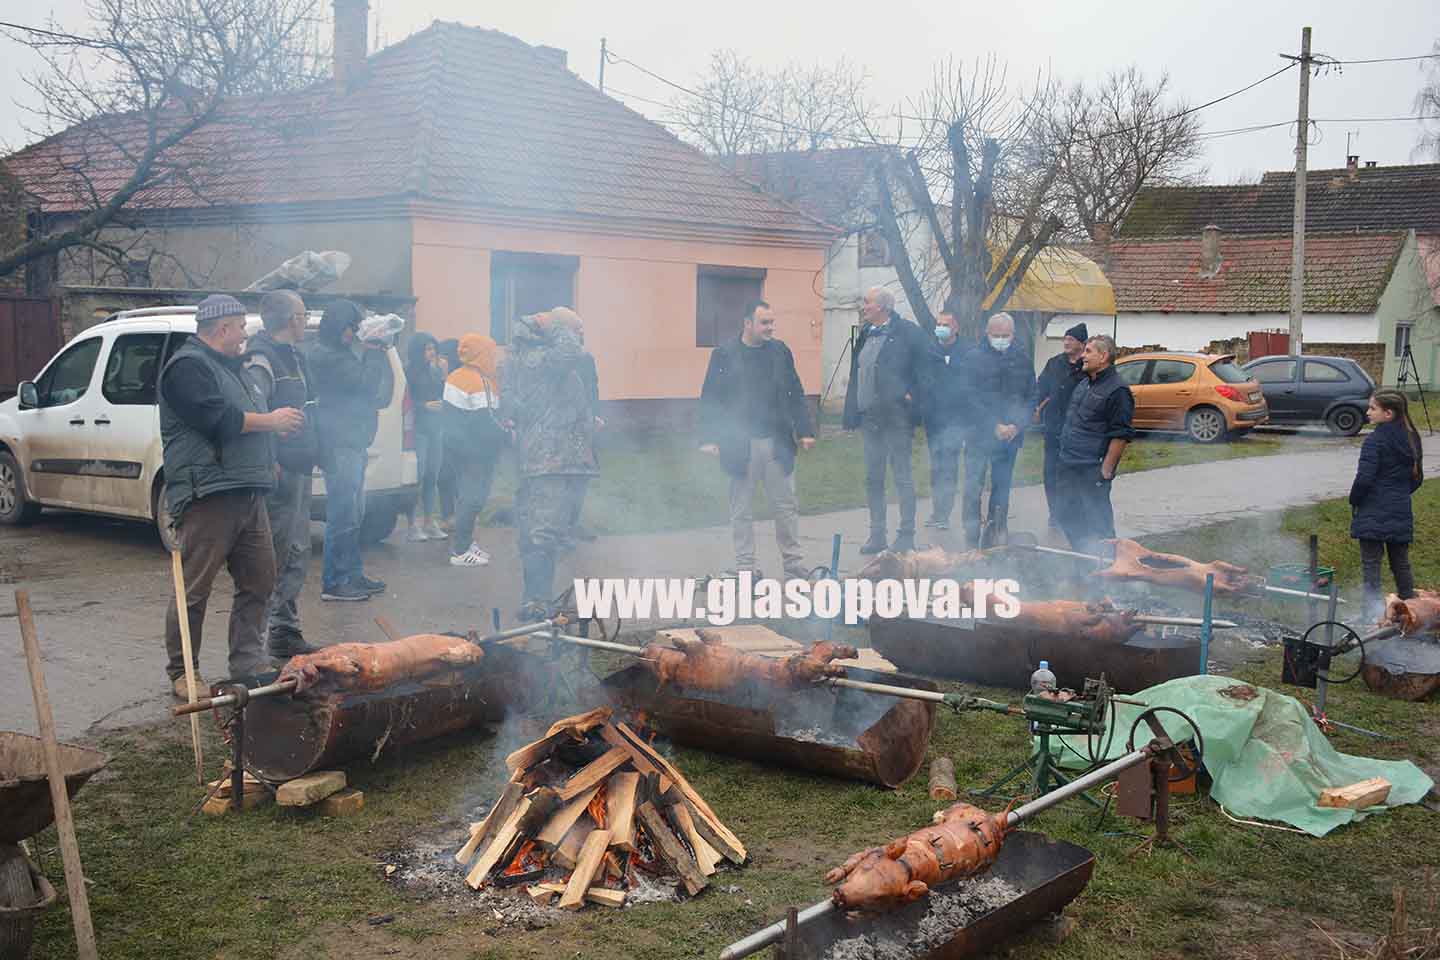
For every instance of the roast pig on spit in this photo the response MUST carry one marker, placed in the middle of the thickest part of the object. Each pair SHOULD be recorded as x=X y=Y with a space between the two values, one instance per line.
x=1098 y=620
x=964 y=840
x=364 y=667
x=933 y=561
x=1419 y=614
x=709 y=664
x=1134 y=562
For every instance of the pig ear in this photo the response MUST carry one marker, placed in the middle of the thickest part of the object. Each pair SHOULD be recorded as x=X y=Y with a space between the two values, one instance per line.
x=914 y=890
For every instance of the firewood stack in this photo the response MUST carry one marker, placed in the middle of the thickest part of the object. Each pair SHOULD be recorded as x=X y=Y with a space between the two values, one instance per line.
x=588 y=808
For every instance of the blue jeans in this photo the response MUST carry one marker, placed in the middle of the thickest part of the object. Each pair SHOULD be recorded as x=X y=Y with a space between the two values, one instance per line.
x=428 y=457
x=982 y=454
x=344 y=510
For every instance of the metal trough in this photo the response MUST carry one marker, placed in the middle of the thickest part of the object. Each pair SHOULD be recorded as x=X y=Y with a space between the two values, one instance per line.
x=996 y=654
x=841 y=732
x=25 y=807
x=1048 y=873
x=287 y=737
x=1404 y=668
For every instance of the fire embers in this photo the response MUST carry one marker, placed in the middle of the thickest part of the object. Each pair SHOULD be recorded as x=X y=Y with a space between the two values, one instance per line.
x=1134 y=562
x=709 y=664
x=963 y=841
x=1418 y=615
x=376 y=666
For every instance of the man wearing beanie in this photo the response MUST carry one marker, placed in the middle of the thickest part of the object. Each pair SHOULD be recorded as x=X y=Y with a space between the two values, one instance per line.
x=473 y=440
x=219 y=465
x=1057 y=381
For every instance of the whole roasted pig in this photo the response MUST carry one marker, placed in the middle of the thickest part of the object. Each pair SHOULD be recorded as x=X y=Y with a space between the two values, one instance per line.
x=1419 y=614
x=1098 y=620
x=1134 y=562
x=913 y=564
x=375 y=666
x=709 y=664
x=963 y=841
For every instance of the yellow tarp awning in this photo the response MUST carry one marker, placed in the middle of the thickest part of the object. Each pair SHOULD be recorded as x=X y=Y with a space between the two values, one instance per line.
x=1059 y=281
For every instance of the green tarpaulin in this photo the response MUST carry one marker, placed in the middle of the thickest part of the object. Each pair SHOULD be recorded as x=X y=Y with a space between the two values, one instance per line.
x=1267 y=758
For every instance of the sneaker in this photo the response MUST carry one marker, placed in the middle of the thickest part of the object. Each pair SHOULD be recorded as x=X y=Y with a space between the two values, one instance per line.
x=873 y=546
x=935 y=523
x=433 y=531
x=417 y=533
x=345 y=592
x=482 y=554
x=373 y=586
x=182 y=689
x=904 y=543
x=468 y=559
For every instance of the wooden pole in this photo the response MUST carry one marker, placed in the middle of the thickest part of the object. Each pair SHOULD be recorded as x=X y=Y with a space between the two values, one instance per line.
x=59 y=795
x=182 y=611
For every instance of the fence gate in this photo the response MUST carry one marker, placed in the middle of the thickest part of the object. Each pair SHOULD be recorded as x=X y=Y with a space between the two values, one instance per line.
x=29 y=337
x=1268 y=343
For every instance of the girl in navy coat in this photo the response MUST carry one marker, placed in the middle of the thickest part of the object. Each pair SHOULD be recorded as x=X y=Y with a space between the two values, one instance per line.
x=1389 y=472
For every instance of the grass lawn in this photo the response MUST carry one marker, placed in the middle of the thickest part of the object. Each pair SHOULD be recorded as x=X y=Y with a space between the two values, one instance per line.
x=274 y=883
x=664 y=483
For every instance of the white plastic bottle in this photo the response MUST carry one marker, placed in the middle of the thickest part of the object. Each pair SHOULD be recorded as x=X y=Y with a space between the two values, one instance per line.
x=1042 y=680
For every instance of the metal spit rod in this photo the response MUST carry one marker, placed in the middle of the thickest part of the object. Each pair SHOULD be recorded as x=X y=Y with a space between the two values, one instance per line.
x=1098 y=559
x=763 y=938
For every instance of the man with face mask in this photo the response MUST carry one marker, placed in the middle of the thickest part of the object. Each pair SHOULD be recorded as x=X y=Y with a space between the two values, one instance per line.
x=944 y=417
x=1000 y=386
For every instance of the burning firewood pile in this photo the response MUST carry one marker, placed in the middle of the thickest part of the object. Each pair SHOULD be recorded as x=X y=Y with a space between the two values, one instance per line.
x=589 y=813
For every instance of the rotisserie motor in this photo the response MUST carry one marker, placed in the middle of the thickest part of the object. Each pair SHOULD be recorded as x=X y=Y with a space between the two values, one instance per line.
x=1134 y=562
x=964 y=840
x=375 y=666
x=1419 y=614
x=913 y=564
x=709 y=664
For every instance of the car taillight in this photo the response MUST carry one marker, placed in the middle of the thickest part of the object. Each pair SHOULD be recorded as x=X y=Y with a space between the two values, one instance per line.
x=1230 y=393
x=407 y=419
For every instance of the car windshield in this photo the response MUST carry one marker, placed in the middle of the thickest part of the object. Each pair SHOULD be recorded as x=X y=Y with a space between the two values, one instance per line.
x=1228 y=372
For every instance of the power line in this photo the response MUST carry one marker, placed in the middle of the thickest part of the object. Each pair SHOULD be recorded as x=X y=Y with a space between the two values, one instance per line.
x=1423 y=56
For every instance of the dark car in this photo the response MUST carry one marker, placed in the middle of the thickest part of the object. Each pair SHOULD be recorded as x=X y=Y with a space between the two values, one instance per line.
x=1329 y=390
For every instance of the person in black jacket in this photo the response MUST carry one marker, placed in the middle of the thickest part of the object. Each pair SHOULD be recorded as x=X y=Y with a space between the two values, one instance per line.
x=888 y=371
x=273 y=361
x=1099 y=424
x=999 y=381
x=1389 y=472
x=945 y=416
x=350 y=390
x=1058 y=380
x=446 y=482
x=752 y=412
x=425 y=374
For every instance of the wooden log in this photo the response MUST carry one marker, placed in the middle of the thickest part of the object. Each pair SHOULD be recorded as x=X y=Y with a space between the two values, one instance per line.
x=503 y=842
x=498 y=814
x=543 y=893
x=605 y=896
x=563 y=819
x=343 y=804
x=543 y=804
x=670 y=850
x=568 y=852
x=571 y=728
x=221 y=787
x=219 y=806
x=309 y=789
x=641 y=761
x=732 y=847
x=1357 y=796
x=592 y=854
x=594 y=772
x=620 y=794
x=942 y=779
x=705 y=856
x=735 y=855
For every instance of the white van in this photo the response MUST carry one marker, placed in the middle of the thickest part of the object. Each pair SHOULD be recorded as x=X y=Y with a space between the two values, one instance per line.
x=85 y=434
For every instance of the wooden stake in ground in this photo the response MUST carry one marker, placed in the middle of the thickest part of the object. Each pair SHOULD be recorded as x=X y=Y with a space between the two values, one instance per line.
x=177 y=573
x=942 y=779
x=59 y=795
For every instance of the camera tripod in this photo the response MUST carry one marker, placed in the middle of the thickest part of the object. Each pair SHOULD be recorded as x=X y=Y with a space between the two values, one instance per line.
x=1409 y=371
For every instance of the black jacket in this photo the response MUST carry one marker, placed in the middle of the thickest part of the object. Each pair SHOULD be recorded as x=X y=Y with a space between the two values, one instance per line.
x=424 y=381
x=1057 y=381
x=1100 y=410
x=902 y=369
x=722 y=405
x=945 y=395
x=350 y=390
x=278 y=369
x=999 y=388
x=1384 y=481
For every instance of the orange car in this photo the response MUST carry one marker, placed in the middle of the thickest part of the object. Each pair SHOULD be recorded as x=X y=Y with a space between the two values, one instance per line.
x=1207 y=396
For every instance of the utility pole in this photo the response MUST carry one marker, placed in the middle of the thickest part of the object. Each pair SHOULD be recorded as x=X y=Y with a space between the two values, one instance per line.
x=1297 y=260
x=603 y=55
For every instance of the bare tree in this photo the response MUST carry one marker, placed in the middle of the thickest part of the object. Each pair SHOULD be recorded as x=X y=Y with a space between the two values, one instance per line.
x=1427 y=104
x=723 y=118
x=131 y=94
x=1112 y=139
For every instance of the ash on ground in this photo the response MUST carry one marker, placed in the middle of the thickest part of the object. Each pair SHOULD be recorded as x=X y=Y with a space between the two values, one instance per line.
x=897 y=936
x=428 y=867
x=819 y=735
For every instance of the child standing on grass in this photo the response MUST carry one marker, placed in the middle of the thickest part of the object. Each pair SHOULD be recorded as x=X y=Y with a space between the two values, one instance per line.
x=1388 y=473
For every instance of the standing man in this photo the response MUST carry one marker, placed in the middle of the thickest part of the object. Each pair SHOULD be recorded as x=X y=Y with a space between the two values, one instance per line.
x=945 y=416
x=752 y=411
x=546 y=398
x=1062 y=374
x=888 y=369
x=1097 y=428
x=219 y=465
x=276 y=366
x=350 y=389
x=1000 y=380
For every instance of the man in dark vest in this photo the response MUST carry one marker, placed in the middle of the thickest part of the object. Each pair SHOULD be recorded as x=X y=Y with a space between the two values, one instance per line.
x=1057 y=381
x=278 y=368
x=1097 y=429
x=219 y=466
x=753 y=415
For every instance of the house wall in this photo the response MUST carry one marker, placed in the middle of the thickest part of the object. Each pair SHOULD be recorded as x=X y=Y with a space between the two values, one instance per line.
x=1193 y=331
x=637 y=296
x=1409 y=299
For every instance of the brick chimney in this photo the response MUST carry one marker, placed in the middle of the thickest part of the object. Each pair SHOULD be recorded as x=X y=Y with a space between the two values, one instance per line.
x=1352 y=162
x=1210 y=251
x=351 y=44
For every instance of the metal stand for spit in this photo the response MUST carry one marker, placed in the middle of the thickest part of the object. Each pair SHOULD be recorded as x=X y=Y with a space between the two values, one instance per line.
x=1317 y=712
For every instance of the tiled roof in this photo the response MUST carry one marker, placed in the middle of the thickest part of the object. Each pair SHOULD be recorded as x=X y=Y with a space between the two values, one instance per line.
x=1336 y=201
x=453 y=114
x=832 y=185
x=1343 y=274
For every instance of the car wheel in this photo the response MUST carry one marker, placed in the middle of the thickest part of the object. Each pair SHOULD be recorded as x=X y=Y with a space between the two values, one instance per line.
x=164 y=522
x=1345 y=421
x=15 y=507
x=378 y=523
x=1205 y=425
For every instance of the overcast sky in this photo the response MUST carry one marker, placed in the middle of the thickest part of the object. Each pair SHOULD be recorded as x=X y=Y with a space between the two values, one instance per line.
x=1210 y=48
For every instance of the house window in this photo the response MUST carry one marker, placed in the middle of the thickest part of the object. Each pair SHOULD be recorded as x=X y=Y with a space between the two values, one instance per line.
x=874 y=250
x=721 y=295
x=526 y=283
x=1402 y=339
